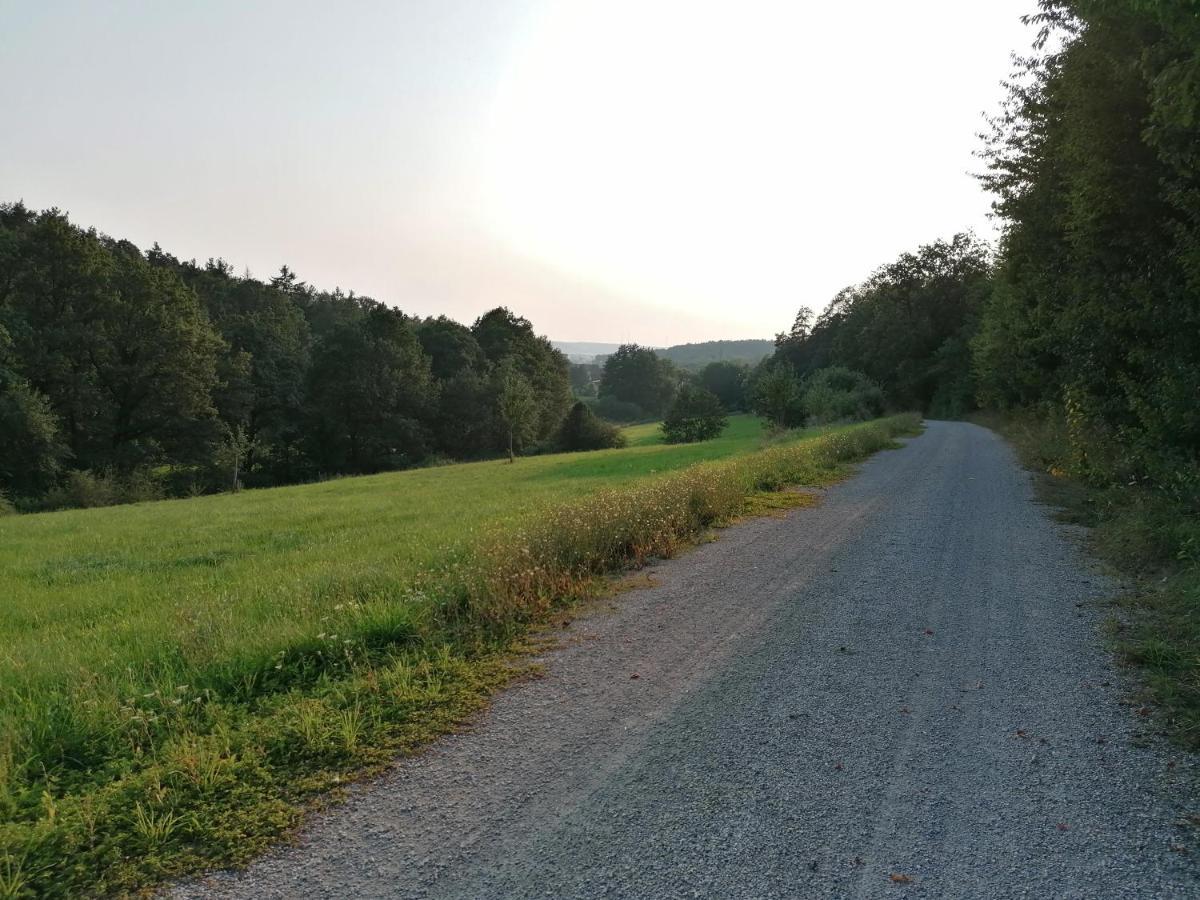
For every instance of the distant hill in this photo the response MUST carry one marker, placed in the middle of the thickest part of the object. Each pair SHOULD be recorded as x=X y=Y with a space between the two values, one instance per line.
x=584 y=351
x=688 y=356
x=695 y=356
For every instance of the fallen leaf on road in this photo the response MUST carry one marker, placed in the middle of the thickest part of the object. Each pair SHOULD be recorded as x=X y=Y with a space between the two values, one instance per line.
x=928 y=631
x=635 y=675
x=1021 y=733
x=838 y=766
x=901 y=879
x=1063 y=826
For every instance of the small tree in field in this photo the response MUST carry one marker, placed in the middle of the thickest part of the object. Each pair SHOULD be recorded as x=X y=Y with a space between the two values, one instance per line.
x=517 y=407
x=696 y=415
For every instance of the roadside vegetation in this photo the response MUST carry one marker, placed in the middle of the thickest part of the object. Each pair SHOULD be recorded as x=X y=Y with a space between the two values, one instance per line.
x=179 y=677
x=1147 y=537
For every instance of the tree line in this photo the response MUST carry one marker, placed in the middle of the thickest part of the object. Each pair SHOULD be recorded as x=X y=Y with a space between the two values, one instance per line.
x=138 y=373
x=1087 y=314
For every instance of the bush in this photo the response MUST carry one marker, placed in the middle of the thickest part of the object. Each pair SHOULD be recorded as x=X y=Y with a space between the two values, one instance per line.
x=84 y=490
x=841 y=395
x=778 y=398
x=6 y=507
x=696 y=415
x=582 y=430
x=614 y=410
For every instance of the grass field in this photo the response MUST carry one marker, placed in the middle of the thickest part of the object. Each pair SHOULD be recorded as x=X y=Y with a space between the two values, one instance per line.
x=177 y=677
x=168 y=587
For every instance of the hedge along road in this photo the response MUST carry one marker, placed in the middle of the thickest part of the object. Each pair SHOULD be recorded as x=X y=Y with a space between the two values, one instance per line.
x=902 y=692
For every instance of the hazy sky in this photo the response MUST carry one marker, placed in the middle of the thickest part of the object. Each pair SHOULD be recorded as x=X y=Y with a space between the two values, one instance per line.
x=653 y=170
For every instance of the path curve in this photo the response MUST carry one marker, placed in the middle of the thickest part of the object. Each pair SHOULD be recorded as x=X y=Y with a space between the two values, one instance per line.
x=906 y=682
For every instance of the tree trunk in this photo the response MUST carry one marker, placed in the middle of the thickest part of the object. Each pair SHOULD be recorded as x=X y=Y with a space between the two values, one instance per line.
x=511 y=457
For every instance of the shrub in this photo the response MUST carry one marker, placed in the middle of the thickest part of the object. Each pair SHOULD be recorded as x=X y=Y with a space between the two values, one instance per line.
x=696 y=415
x=84 y=490
x=582 y=430
x=841 y=395
x=6 y=507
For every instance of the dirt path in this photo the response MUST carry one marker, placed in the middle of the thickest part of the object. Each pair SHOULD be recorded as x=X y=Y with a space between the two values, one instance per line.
x=906 y=682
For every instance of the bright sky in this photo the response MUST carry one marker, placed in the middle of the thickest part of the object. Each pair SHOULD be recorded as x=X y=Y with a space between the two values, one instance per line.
x=652 y=170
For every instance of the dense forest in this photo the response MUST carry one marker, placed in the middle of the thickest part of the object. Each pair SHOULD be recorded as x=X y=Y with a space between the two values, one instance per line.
x=1088 y=312
x=132 y=374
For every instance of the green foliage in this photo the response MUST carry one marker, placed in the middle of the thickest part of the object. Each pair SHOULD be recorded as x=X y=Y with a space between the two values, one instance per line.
x=31 y=449
x=120 y=349
x=696 y=415
x=370 y=390
x=728 y=381
x=585 y=377
x=516 y=407
x=613 y=410
x=637 y=375
x=583 y=430
x=81 y=489
x=114 y=360
x=907 y=327
x=841 y=395
x=778 y=397
x=214 y=663
x=1094 y=163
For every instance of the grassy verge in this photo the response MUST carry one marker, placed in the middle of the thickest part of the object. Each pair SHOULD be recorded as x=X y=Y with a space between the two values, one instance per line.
x=181 y=678
x=1154 y=542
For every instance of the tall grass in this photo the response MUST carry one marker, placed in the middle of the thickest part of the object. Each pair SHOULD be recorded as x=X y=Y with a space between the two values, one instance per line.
x=119 y=769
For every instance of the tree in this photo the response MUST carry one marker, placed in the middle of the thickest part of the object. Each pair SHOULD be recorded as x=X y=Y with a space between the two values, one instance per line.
x=695 y=415
x=31 y=451
x=902 y=325
x=636 y=375
x=263 y=367
x=452 y=348
x=1094 y=163
x=728 y=381
x=508 y=341
x=841 y=395
x=777 y=397
x=584 y=377
x=236 y=447
x=516 y=406
x=583 y=430
x=370 y=390
x=120 y=349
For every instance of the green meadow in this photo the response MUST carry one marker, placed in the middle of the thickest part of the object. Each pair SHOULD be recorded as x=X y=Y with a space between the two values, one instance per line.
x=178 y=678
x=186 y=583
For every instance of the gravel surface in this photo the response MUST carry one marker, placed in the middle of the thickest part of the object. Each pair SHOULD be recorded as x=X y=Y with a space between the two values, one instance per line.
x=902 y=692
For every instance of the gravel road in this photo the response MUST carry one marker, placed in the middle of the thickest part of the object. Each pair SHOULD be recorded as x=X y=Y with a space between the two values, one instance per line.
x=900 y=693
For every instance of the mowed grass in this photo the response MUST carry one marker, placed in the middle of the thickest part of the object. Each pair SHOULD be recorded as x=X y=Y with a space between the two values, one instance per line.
x=156 y=588
x=177 y=679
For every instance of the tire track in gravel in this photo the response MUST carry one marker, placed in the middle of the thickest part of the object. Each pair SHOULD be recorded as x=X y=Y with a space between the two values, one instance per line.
x=898 y=682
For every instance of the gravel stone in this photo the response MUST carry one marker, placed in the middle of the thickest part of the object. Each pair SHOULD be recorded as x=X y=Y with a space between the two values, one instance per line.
x=900 y=693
